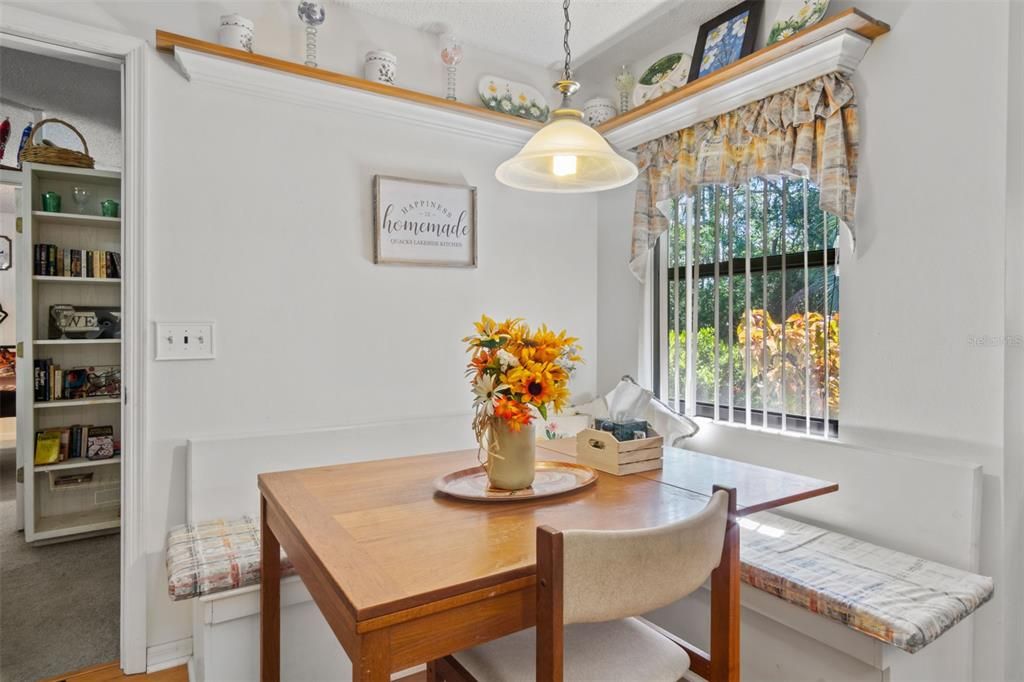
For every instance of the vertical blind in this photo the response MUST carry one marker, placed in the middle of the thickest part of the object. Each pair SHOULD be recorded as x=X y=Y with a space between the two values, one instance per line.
x=752 y=313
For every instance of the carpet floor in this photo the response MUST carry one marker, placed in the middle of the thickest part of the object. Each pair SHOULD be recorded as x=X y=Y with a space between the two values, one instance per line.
x=59 y=604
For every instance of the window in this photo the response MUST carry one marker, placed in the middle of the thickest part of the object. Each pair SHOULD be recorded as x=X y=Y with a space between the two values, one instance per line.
x=747 y=323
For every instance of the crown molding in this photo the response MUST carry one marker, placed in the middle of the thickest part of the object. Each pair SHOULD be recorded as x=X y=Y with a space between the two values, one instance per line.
x=225 y=72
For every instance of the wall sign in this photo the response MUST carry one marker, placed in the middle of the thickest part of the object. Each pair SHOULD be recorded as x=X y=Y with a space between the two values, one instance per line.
x=423 y=223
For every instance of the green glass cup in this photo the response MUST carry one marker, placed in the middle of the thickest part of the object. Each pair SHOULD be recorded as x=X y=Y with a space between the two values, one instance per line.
x=51 y=202
x=109 y=208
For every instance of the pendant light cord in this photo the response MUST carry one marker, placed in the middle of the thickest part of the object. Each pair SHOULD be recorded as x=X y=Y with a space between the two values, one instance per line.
x=565 y=42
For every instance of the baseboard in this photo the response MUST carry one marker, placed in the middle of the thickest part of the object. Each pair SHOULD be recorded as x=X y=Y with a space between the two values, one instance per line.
x=169 y=655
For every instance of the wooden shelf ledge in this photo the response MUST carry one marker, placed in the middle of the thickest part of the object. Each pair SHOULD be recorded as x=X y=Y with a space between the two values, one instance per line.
x=225 y=66
x=834 y=44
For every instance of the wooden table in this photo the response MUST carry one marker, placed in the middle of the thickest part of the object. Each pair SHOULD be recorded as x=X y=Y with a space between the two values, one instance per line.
x=405 y=576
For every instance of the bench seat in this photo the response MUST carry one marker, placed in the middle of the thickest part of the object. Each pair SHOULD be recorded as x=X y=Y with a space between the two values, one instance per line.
x=215 y=556
x=897 y=598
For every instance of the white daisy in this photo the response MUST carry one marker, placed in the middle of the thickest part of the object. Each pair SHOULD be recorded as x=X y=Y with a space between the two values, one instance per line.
x=506 y=360
x=740 y=27
x=486 y=390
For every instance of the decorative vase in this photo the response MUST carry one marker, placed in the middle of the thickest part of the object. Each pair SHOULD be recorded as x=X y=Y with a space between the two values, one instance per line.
x=312 y=15
x=511 y=456
x=624 y=83
x=380 y=67
x=451 y=55
x=598 y=110
x=236 y=31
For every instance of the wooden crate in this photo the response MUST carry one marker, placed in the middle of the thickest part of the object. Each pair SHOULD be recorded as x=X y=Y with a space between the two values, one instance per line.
x=600 y=450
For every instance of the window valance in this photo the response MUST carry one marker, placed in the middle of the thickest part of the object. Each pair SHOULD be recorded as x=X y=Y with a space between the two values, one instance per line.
x=809 y=131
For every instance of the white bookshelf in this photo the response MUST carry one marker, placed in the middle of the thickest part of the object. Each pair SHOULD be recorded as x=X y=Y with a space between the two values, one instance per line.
x=77 y=496
x=75 y=280
x=78 y=463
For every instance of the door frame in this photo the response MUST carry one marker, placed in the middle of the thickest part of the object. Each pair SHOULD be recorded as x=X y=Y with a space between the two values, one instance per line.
x=70 y=40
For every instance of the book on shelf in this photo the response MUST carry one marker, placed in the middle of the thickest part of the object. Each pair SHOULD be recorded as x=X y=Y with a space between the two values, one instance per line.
x=75 y=442
x=47 y=447
x=78 y=383
x=53 y=261
x=101 y=443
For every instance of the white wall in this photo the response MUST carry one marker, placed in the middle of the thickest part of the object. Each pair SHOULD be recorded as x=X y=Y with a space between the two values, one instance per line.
x=309 y=332
x=928 y=272
x=1013 y=353
x=260 y=220
x=344 y=38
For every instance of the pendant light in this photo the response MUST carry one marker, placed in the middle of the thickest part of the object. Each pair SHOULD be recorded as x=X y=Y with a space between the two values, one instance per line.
x=566 y=155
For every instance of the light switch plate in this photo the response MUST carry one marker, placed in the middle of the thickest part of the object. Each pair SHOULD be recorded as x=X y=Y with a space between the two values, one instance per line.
x=184 y=341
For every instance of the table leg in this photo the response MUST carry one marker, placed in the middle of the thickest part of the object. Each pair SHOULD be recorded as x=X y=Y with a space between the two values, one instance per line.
x=270 y=600
x=725 y=603
x=372 y=663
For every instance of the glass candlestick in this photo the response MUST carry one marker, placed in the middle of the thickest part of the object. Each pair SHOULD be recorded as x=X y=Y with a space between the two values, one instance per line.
x=451 y=55
x=312 y=15
x=624 y=83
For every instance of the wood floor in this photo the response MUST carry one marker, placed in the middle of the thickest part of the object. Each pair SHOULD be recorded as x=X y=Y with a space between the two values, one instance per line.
x=110 y=672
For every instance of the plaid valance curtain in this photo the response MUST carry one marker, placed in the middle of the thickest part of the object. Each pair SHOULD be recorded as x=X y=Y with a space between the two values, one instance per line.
x=809 y=131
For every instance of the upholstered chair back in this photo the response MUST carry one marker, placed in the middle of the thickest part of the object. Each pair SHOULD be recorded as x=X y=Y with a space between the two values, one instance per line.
x=615 y=574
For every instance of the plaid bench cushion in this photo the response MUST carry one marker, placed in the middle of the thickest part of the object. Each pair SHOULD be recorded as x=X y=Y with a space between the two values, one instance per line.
x=214 y=556
x=900 y=599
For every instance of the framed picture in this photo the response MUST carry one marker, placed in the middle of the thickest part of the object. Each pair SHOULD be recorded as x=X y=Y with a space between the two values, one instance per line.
x=416 y=222
x=726 y=38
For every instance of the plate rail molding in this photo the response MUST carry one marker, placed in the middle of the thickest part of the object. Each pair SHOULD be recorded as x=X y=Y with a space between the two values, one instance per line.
x=841 y=42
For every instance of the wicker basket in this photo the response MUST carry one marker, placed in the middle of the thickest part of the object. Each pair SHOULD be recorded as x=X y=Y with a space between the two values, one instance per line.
x=58 y=156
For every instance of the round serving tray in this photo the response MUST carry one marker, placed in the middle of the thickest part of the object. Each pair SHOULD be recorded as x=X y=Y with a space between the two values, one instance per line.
x=552 y=478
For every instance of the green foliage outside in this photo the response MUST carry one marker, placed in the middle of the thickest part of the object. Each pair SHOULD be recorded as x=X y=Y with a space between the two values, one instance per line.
x=777 y=377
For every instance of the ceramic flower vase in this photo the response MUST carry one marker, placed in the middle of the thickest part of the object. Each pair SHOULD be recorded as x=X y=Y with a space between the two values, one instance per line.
x=236 y=31
x=511 y=456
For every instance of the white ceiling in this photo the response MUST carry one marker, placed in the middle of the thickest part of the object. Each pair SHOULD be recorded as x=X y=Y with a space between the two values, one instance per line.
x=531 y=30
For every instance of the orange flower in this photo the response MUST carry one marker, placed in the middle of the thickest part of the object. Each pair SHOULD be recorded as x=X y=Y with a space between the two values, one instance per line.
x=480 y=360
x=515 y=413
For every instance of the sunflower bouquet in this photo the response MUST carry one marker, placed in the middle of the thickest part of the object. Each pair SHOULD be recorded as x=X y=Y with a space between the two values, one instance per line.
x=517 y=373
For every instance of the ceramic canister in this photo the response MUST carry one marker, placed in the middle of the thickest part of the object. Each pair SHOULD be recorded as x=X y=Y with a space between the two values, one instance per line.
x=598 y=110
x=380 y=67
x=236 y=31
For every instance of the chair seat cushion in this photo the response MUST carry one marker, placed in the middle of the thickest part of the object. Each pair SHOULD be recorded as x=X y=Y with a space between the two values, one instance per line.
x=897 y=598
x=594 y=652
x=214 y=556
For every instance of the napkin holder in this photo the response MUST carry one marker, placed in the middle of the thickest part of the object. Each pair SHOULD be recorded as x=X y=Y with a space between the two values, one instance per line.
x=600 y=450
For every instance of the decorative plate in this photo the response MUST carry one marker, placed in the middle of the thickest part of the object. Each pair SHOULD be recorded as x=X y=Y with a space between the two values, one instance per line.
x=515 y=99
x=797 y=16
x=552 y=478
x=664 y=75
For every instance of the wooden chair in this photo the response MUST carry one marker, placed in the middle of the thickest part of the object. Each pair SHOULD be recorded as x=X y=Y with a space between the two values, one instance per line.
x=590 y=586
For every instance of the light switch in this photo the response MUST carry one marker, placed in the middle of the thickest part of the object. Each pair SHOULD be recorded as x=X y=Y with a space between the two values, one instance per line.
x=184 y=340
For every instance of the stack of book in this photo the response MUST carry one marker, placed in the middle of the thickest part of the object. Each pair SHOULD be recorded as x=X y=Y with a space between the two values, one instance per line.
x=53 y=261
x=54 y=383
x=71 y=442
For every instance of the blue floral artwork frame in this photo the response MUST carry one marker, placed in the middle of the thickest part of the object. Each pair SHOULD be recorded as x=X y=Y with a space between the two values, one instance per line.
x=726 y=38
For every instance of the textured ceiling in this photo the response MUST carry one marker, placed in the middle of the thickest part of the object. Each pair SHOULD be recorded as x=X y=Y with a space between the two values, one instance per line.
x=528 y=30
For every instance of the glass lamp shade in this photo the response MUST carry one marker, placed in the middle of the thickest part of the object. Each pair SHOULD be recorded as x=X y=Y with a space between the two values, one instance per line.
x=566 y=155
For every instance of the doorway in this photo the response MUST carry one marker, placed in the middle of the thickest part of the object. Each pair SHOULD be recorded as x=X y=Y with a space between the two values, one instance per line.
x=60 y=598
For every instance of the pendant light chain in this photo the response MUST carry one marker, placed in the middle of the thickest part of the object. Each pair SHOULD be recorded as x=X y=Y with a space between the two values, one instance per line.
x=565 y=42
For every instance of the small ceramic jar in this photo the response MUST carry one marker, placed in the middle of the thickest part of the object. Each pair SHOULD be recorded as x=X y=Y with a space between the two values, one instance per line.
x=380 y=67
x=598 y=110
x=236 y=31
